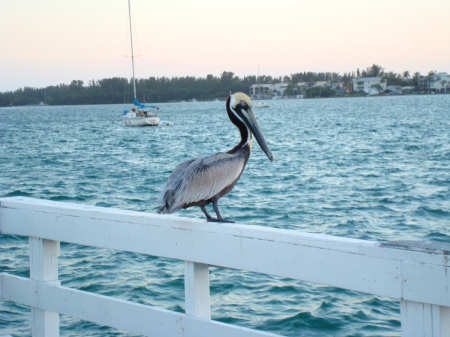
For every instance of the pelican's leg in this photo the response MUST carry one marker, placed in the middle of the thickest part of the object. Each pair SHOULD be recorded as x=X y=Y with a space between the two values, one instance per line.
x=219 y=217
x=208 y=216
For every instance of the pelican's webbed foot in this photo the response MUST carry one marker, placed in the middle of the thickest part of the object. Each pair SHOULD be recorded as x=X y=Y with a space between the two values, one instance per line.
x=220 y=220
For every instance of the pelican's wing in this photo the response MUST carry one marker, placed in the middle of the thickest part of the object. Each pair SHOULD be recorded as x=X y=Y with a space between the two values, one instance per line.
x=169 y=192
x=205 y=177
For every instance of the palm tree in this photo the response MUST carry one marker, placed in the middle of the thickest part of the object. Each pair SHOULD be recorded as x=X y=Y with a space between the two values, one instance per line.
x=406 y=75
x=415 y=80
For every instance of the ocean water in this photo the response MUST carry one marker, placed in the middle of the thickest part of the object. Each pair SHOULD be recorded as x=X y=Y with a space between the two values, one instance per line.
x=367 y=168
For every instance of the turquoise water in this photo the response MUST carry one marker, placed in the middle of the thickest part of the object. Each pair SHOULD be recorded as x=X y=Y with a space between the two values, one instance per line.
x=367 y=168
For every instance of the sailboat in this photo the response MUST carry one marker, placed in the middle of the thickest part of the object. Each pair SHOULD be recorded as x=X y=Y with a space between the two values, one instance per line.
x=140 y=114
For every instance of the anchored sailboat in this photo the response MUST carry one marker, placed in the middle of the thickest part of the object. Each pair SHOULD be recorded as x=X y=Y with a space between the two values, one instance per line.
x=140 y=114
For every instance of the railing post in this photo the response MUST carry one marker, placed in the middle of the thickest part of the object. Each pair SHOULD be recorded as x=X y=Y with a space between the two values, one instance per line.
x=445 y=321
x=44 y=268
x=196 y=288
x=424 y=320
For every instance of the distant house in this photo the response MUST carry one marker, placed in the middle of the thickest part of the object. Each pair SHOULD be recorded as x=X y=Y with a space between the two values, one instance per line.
x=439 y=82
x=370 y=85
x=266 y=90
x=321 y=84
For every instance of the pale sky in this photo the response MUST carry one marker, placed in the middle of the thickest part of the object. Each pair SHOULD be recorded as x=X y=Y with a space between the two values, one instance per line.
x=48 y=42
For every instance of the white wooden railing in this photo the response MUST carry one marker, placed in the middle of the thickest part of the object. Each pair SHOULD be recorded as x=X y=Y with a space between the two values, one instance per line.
x=415 y=273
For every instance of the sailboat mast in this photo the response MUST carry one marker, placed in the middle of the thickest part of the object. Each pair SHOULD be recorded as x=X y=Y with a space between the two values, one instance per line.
x=132 y=52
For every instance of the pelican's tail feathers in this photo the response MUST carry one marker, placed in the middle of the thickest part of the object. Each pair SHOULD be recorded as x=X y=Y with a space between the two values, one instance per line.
x=162 y=210
x=167 y=200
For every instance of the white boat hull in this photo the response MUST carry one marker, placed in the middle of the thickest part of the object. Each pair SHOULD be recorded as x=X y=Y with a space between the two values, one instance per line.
x=141 y=121
x=261 y=105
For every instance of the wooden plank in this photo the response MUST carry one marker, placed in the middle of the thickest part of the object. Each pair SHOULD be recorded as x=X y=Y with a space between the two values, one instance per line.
x=44 y=323
x=228 y=246
x=420 y=319
x=426 y=283
x=313 y=240
x=44 y=260
x=119 y=314
x=289 y=236
x=44 y=268
x=124 y=216
x=197 y=289
x=445 y=321
x=346 y=263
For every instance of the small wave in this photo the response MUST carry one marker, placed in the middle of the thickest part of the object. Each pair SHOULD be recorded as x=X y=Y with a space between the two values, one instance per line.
x=306 y=320
x=439 y=213
x=65 y=198
x=18 y=193
x=438 y=236
x=413 y=147
x=282 y=289
x=103 y=204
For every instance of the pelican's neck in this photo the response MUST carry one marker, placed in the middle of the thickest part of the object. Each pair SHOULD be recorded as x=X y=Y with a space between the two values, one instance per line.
x=246 y=135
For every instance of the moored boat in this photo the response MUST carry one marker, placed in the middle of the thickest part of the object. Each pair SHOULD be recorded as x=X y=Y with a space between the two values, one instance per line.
x=261 y=105
x=139 y=115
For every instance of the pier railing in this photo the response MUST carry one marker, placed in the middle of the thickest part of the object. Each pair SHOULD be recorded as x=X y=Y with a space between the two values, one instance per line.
x=415 y=273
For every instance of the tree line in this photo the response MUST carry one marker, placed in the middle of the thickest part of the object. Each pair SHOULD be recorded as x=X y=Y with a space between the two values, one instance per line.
x=119 y=90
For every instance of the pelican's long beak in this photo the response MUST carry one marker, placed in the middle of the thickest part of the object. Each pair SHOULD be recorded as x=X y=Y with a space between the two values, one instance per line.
x=251 y=122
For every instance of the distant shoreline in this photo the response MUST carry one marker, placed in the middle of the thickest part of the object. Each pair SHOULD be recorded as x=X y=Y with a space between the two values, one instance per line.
x=207 y=101
x=307 y=84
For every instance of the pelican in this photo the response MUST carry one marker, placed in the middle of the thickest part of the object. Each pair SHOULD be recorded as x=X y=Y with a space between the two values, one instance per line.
x=204 y=180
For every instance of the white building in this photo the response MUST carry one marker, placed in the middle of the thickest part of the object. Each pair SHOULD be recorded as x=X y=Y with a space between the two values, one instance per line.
x=276 y=89
x=370 y=85
x=439 y=82
x=321 y=84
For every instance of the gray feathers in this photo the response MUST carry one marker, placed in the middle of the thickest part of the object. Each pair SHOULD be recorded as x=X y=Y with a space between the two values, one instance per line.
x=200 y=179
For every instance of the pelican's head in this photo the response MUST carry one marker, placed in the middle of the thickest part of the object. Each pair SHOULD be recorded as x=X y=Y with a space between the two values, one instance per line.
x=241 y=106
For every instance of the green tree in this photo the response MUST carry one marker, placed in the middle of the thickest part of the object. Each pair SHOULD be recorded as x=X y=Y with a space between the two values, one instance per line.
x=319 y=92
x=373 y=71
x=406 y=75
x=377 y=87
x=415 y=80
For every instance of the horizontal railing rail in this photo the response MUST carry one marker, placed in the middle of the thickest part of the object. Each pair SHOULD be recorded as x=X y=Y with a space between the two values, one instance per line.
x=415 y=273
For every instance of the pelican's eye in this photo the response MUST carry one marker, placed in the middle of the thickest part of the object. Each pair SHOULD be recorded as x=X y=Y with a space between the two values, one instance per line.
x=243 y=103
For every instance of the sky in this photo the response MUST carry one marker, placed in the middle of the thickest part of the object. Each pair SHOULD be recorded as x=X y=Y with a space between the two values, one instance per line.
x=49 y=42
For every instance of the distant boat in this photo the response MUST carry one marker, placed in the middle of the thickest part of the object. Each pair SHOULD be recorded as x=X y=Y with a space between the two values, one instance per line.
x=140 y=114
x=261 y=105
